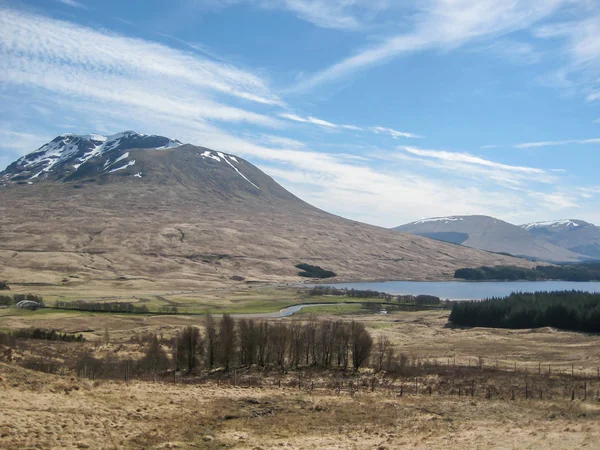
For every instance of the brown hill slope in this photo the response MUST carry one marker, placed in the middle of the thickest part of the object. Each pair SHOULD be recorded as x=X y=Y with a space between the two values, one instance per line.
x=189 y=217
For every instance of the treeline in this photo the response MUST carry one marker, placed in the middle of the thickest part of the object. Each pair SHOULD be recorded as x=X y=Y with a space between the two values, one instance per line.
x=367 y=293
x=567 y=310
x=113 y=307
x=310 y=271
x=227 y=344
x=577 y=272
x=8 y=300
x=39 y=333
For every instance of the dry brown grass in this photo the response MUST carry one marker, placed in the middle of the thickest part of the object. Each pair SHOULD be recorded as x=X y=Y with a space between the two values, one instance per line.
x=50 y=412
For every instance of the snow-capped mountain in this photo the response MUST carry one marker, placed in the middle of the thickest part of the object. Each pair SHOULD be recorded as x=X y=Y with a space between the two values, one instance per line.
x=576 y=235
x=68 y=153
x=109 y=209
x=488 y=233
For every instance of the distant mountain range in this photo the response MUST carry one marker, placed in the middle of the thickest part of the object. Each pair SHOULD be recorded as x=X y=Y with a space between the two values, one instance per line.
x=148 y=212
x=558 y=241
x=576 y=235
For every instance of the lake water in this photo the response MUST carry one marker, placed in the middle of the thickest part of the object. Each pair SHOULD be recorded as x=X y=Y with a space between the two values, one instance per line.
x=470 y=290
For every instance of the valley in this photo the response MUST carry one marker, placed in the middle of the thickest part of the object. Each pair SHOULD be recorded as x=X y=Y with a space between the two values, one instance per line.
x=192 y=252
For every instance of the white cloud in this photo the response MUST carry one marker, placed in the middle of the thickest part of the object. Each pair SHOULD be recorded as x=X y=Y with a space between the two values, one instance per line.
x=395 y=133
x=324 y=123
x=57 y=55
x=443 y=24
x=557 y=143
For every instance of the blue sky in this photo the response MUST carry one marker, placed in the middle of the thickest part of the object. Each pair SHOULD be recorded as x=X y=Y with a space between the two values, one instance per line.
x=378 y=110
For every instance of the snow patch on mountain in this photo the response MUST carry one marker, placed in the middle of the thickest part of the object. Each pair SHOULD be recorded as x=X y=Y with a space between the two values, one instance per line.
x=440 y=219
x=564 y=223
x=226 y=158
x=129 y=164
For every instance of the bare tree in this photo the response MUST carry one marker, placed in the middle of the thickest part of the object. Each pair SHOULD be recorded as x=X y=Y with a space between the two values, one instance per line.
x=211 y=341
x=278 y=343
x=227 y=341
x=311 y=340
x=263 y=343
x=297 y=343
x=189 y=345
x=382 y=351
x=248 y=341
x=361 y=343
x=342 y=344
x=155 y=358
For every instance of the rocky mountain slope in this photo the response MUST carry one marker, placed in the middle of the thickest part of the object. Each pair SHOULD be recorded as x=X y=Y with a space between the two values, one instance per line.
x=488 y=233
x=170 y=215
x=576 y=235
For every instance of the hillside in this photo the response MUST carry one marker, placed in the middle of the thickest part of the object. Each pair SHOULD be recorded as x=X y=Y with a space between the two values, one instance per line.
x=488 y=233
x=187 y=217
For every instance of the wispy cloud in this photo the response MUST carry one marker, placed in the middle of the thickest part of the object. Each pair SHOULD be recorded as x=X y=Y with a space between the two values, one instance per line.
x=72 y=3
x=395 y=133
x=469 y=159
x=442 y=24
x=68 y=59
x=465 y=165
x=313 y=120
x=577 y=51
x=557 y=143
x=324 y=123
x=336 y=14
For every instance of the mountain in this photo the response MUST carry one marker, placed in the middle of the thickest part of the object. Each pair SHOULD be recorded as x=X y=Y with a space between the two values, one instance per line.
x=488 y=233
x=575 y=235
x=169 y=216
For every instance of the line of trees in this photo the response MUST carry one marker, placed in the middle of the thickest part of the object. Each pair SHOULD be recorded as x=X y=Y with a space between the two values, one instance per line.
x=575 y=272
x=567 y=310
x=228 y=344
x=39 y=333
x=368 y=293
x=113 y=307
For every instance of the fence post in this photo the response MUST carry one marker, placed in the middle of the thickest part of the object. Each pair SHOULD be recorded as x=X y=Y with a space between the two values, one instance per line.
x=416 y=387
x=472 y=388
x=526 y=391
x=585 y=391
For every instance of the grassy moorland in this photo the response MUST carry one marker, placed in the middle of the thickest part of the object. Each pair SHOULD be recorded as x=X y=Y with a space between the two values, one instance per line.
x=451 y=387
